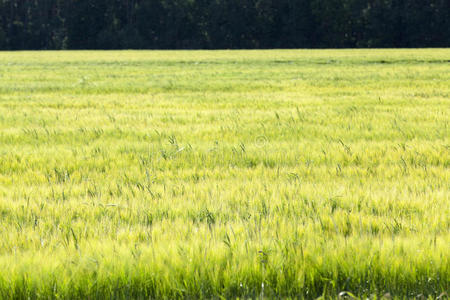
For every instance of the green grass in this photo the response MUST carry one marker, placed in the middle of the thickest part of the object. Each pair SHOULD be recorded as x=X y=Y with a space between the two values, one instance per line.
x=190 y=174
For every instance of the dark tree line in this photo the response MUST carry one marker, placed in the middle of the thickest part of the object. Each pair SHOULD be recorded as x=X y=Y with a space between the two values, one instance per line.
x=208 y=24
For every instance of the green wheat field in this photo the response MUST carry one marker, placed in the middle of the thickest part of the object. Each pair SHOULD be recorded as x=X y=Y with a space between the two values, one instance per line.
x=224 y=174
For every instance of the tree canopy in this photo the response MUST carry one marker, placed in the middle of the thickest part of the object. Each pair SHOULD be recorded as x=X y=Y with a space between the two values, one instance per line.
x=219 y=24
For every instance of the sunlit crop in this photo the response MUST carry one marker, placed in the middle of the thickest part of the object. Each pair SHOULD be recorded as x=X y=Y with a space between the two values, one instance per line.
x=151 y=174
